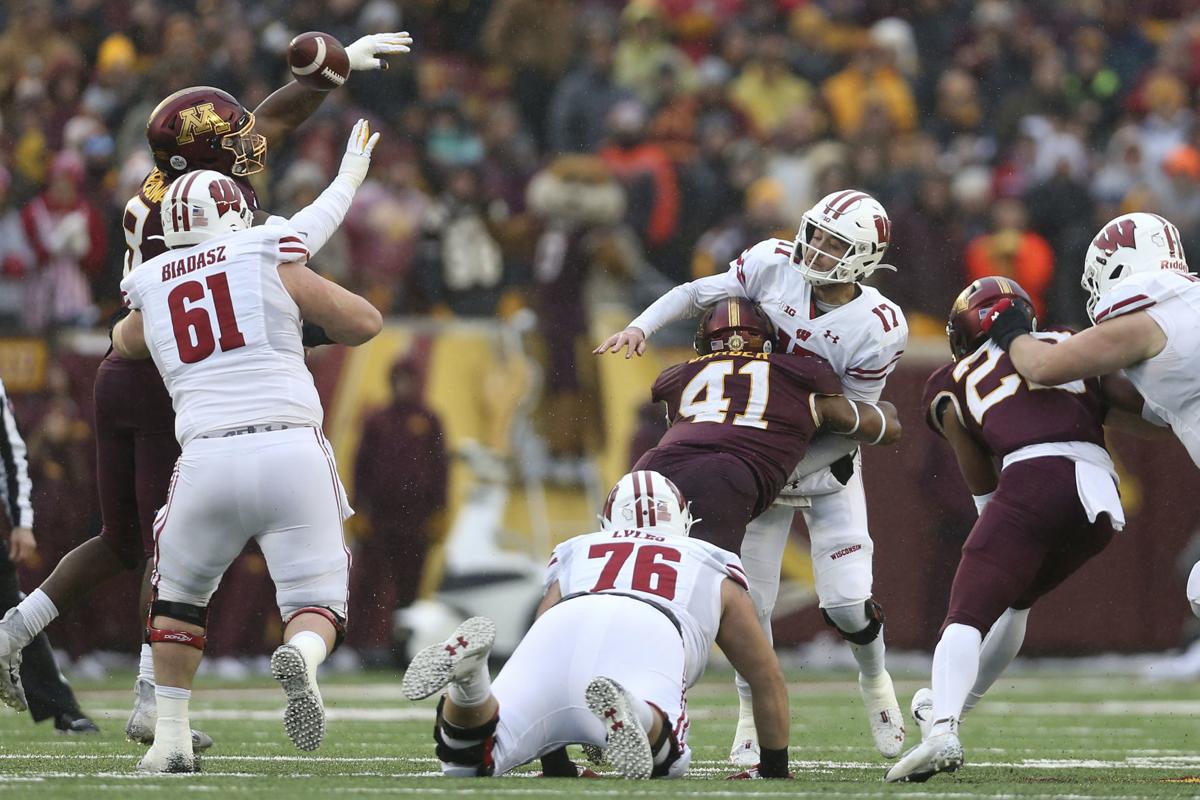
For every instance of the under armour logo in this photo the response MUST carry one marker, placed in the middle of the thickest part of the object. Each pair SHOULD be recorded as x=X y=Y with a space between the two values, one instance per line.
x=452 y=649
x=829 y=335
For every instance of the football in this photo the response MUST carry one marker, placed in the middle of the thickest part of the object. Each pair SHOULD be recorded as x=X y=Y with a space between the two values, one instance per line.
x=318 y=61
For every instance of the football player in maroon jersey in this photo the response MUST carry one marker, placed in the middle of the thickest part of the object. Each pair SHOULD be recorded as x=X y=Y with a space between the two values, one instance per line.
x=196 y=128
x=742 y=416
x=1034 y=458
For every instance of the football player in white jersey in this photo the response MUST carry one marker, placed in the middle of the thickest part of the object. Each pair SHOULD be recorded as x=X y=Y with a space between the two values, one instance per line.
x=629 y=618
x=811 y=290
x=220 y=313
x=1145 y=308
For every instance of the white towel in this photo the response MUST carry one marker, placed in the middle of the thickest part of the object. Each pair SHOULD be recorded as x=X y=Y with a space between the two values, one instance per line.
x=1098 y=493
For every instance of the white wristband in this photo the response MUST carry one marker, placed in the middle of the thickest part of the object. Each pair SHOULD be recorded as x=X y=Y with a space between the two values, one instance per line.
x=981 y=500
x=857 y=420
x=882 y=422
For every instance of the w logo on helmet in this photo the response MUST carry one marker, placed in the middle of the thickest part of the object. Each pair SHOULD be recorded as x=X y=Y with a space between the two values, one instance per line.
x=226 y=195
x=883 y=227
x=1119 y=234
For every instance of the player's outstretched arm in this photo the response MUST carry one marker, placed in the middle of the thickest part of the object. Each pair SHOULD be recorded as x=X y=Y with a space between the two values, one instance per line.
x=632 y=339
x=319 y=220
x=743 y=642
x=286 y=108
x=129 y=337
x=347 y=318
x=869 y=423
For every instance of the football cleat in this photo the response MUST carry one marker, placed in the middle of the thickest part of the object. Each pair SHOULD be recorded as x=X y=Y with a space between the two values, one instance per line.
x=628 y=747
x=304 y=718
x=144 y=716
x=883 y=711
x=744 y=752
x=12 y=693
x=466 y=650
x=922 y=711
x=941 y=753
x=171 y=752
x=594 y=754
x=753 y=774
x=74 y=723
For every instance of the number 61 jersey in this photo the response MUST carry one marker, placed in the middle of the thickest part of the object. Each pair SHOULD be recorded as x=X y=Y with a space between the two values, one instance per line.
x=224 y=332
x=673 y=573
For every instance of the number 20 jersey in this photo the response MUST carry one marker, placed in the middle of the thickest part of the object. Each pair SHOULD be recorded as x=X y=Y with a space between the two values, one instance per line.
x=224 y=332
x=1004 y=412
x=680 y=574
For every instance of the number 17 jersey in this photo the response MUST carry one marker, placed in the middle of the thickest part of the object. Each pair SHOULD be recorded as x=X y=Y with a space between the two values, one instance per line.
x=680 y=575
x=224 y=332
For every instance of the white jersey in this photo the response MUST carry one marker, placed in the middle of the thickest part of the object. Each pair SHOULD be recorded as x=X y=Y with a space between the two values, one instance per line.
x=1170 y=381
x=225 y=333
x=862 y=339
x=681 y=575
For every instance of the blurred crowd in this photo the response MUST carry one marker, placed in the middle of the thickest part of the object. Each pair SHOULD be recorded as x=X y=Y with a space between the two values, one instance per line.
x=999 y=134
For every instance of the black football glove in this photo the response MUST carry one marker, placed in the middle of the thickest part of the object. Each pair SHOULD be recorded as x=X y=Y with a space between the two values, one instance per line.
x=1005 y=322
x=312 y=335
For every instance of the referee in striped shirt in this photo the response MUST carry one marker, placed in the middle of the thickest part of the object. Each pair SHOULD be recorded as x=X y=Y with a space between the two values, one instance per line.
x=46 y=690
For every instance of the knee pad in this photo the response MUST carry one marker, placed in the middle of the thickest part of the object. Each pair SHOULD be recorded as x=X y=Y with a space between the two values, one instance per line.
x=337 y=620
x=184 y=612
x=843 y=617
x=469 y=761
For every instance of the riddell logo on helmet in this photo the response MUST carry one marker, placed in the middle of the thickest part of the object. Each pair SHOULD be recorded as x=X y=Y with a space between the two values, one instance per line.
x=1180 y=266
x=199 y=119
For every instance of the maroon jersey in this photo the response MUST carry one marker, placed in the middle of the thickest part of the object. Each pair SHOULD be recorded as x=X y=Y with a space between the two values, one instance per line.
x=757 y=407
x=143 y=222
x=1004 y=412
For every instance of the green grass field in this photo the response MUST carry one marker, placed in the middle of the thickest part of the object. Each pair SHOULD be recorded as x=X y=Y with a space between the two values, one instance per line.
x=1061 y=736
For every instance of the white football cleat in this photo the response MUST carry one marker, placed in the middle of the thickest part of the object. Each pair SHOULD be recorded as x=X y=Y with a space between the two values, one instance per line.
x=12 y=693
x=466 y=650
x=940 y=753
x=883 y=711
x=744 y=751
x=922 y=711
x=144 y=717
x=304 y=719
x=628 y=748
x=171 y=751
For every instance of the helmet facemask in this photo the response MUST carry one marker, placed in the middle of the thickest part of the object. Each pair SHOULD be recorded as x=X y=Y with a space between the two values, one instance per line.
x=249 y=149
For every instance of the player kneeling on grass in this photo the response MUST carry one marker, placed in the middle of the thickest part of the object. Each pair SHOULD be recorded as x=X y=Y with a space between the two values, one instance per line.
x=628 y=620
x=220 y=313
x=1051 y=507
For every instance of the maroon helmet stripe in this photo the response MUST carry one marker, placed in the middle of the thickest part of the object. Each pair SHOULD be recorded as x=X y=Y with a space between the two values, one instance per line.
x=1167 y=226
x=651 y=513
x=637 y=499
x=185 y=212
x=829 y=205
x=849 y=201
x=608 y=504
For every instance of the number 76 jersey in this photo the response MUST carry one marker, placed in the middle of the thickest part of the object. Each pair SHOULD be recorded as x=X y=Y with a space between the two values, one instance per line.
x=224 y=332
x=676 y=574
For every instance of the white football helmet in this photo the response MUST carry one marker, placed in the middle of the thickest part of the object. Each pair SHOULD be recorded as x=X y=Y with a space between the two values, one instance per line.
x=646 y=499
x=1129 y=244
x=853 y=217
x=200 y=205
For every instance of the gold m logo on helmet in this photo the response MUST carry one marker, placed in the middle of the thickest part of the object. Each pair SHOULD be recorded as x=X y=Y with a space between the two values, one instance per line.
x=199 y=119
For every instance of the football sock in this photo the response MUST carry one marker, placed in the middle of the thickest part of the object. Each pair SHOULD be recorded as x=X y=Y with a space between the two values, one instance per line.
x=146 y=664
x=870 y=658
x=312 y=647
x=1000 y=647
x=745 y=695
x=472 y=689
x=34 y=613
x=955 y=667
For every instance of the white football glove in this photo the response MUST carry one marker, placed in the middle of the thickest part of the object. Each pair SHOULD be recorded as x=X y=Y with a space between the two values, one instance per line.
x=358 y=152
x=365 y=52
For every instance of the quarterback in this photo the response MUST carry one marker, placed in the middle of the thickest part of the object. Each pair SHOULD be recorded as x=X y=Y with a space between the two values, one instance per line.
x=1145 y=308
x=811 y=291
x=626 y=626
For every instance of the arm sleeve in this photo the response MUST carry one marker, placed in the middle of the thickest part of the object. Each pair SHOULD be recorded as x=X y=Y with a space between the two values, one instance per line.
x=17 y=486
x=320 y=220
x=687 y=299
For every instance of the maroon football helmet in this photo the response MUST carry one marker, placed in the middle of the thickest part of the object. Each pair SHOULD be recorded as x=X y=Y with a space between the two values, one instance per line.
x=204 y=128
x=734 y=324
x=965 y=328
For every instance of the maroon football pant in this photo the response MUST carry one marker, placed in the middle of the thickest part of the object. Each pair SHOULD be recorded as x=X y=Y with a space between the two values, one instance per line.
x=135 y=453
x=1032 y=536
x=721 y=488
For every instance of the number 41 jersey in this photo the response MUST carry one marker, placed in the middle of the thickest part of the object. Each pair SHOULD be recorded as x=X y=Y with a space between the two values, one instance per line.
x=225 y=333
x=681 y=575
